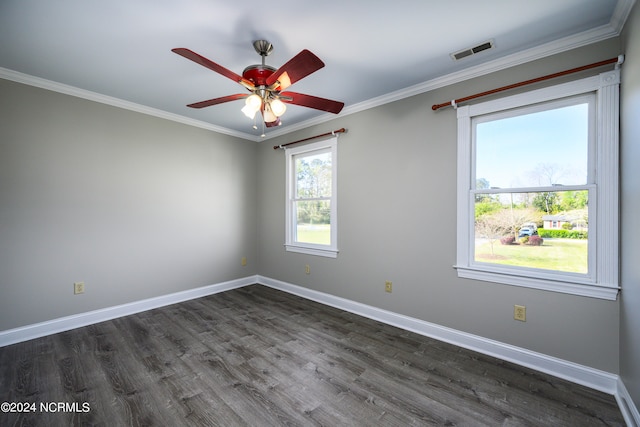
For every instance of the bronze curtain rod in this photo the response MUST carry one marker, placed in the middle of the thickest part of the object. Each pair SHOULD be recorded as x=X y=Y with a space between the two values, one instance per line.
x=341 y=130
x=619 y=60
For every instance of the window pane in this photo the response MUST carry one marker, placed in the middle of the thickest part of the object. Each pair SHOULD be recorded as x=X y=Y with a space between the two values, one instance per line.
x=313 y=175
x=313 y=221
x=545 y=230
x=534 y=150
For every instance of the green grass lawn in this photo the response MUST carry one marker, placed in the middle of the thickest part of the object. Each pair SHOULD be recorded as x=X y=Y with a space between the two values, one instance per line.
x=317 y=233
x=569 y=255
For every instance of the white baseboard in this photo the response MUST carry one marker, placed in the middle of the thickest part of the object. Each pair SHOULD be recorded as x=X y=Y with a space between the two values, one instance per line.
x=599 y=380
x=62 y=324
x=627 y=407
x=584 y=375
x=590 y=377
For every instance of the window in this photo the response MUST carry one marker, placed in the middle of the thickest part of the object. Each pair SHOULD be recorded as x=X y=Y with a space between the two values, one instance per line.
x=538 y=188
x=311 y=225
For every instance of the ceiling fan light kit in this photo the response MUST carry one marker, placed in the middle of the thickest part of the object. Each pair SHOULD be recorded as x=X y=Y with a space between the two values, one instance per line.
x=253 y=103
x=267 y=84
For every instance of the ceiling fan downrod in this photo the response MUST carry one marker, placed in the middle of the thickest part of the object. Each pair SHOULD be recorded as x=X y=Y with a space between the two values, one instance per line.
x=264 y=49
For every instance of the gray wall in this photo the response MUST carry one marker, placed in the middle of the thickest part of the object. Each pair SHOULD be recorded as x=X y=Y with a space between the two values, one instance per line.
x=630 y=177
x=133 y=205
x=397 y=221
x=138 y=206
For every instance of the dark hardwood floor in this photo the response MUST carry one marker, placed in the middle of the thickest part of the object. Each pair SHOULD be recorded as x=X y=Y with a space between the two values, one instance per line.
x=260 y=357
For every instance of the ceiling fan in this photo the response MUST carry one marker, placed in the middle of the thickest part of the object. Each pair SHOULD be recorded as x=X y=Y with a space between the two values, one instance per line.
x=266 y=84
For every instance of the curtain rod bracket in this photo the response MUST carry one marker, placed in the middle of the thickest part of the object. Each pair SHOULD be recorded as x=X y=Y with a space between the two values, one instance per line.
x=620 y=62
x=454 y=104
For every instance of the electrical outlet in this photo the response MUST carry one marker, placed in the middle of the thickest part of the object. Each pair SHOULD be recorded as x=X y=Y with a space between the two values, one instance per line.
x=243 y=261
x=78 y=288
x=307 y=269
x=520 y=313
x=388 y=286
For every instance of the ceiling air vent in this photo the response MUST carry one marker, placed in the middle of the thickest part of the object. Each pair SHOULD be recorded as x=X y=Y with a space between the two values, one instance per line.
x=456 y=56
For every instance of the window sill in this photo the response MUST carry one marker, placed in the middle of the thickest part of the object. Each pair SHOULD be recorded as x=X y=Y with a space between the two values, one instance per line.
x=318 y=251
x=587 y=290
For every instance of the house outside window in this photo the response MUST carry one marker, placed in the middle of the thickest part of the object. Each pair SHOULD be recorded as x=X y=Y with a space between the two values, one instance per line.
x=311 y=210
x=538 y=188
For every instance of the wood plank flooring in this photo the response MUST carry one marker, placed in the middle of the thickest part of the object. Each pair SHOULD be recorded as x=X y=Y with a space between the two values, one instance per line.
x=260 y=357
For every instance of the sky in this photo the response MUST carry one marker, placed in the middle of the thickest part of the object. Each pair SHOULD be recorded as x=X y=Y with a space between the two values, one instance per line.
x=523 y=151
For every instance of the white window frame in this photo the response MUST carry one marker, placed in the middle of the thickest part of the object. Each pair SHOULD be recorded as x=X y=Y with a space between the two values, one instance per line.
x=603 y=281
x=291 y=244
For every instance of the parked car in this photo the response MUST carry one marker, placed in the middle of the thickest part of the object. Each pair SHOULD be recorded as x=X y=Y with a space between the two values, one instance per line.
x=527 y=231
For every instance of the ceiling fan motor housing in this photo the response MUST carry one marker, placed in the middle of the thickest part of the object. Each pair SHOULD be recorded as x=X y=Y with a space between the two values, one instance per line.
x=258 y=74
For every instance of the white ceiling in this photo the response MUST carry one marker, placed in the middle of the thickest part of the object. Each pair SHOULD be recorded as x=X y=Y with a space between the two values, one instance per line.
x=119 y=51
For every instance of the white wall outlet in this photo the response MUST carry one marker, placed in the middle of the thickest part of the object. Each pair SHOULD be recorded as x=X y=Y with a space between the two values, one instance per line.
x=520 y=313
x=78 y=288
x=388 y=286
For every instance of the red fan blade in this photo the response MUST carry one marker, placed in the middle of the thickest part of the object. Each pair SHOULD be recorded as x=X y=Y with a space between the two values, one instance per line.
x=297 y=68
x=213 y=66
x=216 y=101
x=312 y=102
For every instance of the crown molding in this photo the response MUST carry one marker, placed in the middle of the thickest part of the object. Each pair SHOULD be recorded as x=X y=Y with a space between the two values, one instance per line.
x=559 y=46
x=620 y=14
x=604 y=32
x=39 y=82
